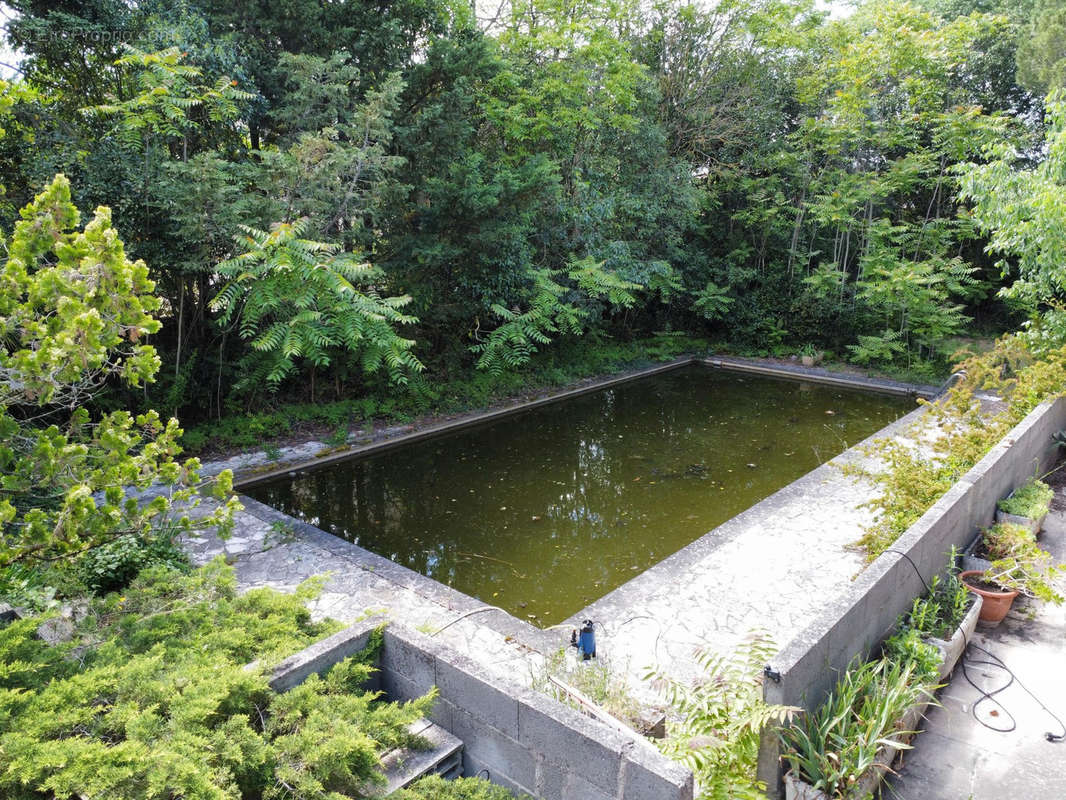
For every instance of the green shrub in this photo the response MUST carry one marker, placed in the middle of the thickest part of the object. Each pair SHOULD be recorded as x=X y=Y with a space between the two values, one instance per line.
x=434 y=788
x=907 y=646
x=1031 y=500
x=151 y=700
x=721 y=720
x=940 y=611
x=112 y=566
x=1019 y=564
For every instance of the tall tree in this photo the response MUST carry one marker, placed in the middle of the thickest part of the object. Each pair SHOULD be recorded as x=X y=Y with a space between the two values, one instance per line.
x=1042 y=48
x=891 y=113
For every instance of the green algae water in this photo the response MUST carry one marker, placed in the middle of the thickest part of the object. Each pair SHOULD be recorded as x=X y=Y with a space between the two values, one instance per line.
x=544 y=512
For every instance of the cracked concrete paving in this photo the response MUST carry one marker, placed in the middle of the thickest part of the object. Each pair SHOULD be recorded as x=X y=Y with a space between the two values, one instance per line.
x=265 y=553
x=959 y=758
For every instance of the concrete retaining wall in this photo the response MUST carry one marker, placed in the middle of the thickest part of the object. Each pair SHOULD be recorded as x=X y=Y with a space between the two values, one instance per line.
x=523 y=740
x=810 y=665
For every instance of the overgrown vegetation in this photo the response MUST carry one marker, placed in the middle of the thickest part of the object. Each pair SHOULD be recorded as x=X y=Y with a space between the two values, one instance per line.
x=336 y=214
x=940 y=611
x=150 y=699
x=332 y=200
x=955 y=433
x=833 y=747
x=596 y=680
x=1030 y=500
x=721 y=718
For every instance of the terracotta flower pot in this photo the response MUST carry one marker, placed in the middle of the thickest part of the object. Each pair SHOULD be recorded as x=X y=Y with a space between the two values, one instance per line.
x=995 y=605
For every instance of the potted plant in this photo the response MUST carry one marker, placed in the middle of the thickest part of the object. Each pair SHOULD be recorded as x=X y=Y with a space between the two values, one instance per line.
x=945 y=617
x=843 y=748
x=1018 y=566
x=1027 y=505
x=808 y=355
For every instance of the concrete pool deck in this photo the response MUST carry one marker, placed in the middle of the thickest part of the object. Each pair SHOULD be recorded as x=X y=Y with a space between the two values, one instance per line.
x=772 y=568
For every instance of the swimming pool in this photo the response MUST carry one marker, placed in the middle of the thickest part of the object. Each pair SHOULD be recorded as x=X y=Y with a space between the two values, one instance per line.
x=543 y=512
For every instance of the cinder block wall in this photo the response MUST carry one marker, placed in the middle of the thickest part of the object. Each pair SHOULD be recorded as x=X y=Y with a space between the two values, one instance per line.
x=811 y=663
x=516 y=737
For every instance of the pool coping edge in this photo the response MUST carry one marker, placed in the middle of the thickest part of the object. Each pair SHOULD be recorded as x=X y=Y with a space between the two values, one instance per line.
x=477 y=418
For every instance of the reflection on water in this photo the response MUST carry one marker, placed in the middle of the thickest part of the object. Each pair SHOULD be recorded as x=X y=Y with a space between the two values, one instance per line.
x=544 y=512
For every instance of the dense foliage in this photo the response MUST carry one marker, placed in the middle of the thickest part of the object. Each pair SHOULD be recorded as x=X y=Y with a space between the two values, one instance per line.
x=322 y=213
x=1030 y=500
x=870 y=707
x=1019 y=564
x=940 y=610
x=366 y=199
x=720 y=719
x=911 y=478
x=73 y=315
x=151 y=699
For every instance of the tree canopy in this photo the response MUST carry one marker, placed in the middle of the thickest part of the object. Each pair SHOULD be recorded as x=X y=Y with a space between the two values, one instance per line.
x=752 y=172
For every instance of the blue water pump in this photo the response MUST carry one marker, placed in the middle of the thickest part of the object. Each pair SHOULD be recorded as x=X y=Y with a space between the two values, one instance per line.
x=585 y=641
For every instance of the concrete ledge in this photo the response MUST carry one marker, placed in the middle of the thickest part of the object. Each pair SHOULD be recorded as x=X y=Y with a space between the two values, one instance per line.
x=319 y=657
x=463 y=422
x=810 y=664
x=819 y=375
x=445 y=596
x=811 y=374
x=525 y=741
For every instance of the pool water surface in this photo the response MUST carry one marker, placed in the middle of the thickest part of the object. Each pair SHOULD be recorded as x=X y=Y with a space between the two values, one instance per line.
x=543 y=512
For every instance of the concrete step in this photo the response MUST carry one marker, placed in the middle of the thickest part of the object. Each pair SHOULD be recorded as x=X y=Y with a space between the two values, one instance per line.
x=443 y=756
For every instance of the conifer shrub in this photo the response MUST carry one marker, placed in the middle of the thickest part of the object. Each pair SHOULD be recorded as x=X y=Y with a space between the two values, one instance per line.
x=435 y=788
x=151 y=699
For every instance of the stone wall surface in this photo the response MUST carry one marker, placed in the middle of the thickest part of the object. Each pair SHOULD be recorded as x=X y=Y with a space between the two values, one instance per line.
x=859 y=618
x=519 y=738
